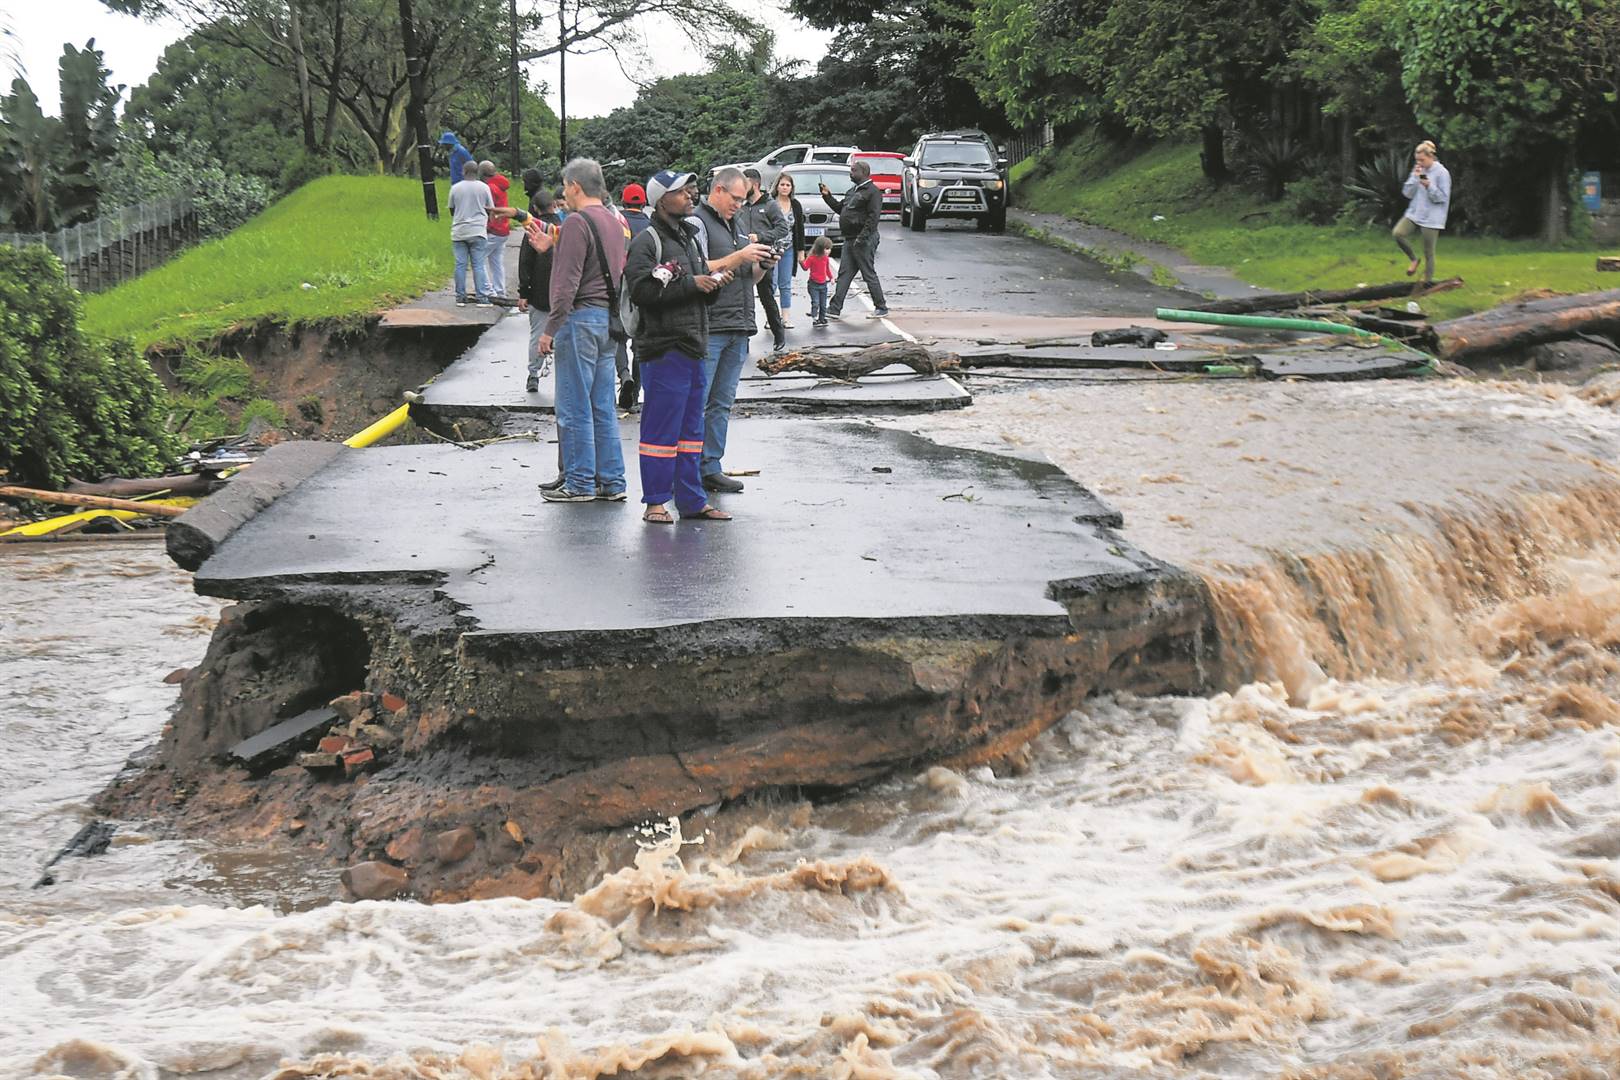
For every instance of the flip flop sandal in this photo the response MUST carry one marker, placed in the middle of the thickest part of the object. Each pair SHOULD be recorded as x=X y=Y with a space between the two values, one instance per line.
x=657 y=516
x=708 y=513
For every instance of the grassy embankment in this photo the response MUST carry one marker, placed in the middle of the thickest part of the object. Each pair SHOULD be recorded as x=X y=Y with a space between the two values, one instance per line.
x=1092 y=180
x=361 y=242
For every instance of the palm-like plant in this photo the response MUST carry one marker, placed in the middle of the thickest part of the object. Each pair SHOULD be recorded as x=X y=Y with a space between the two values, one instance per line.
x=1274 y=160
x=1377 y=187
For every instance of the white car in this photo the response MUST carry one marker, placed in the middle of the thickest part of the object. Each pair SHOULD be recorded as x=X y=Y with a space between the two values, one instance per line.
x=771 y=165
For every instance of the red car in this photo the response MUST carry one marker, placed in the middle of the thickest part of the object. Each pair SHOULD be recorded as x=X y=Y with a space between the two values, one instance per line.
x=886 y=168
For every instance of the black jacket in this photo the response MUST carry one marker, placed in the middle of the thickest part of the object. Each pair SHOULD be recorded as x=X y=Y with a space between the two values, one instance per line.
x=673 y=316
x=534 y=271
x=734 y=309
x=764 y=219
x=861 y=208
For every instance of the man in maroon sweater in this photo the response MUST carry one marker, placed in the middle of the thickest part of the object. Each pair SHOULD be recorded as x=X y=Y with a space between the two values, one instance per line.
x=589 y=254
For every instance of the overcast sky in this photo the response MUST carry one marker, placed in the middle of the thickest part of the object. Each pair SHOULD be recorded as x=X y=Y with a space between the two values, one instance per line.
x=133 y=46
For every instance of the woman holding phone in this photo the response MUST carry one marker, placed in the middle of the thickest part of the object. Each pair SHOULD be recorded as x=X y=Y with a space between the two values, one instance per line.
x=1429 y=190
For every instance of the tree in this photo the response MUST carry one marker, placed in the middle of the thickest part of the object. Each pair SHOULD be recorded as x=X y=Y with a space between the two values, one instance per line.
x=27 y=151
x=1511 y=78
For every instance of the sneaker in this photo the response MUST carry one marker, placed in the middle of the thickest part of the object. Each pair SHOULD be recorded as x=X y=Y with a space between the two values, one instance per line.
x=833 y=315
x=722 y=482
x=787 y=325
x=533 y=385
x=780 y=346
x=553 y=484
x=610 y=496
x=461 y=301
x=819 y=323
x=564 y=495
x=879 y=313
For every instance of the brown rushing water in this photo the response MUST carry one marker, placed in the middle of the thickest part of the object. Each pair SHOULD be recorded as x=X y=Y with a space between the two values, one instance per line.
x=1396 y=854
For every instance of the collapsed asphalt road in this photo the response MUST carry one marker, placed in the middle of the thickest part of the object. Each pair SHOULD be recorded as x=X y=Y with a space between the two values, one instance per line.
x=507 y=673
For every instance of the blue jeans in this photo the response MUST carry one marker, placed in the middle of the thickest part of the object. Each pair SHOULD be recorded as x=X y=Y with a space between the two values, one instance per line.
x=495 y=261
x=784 y=280
x=818 y=300
x=587 y=424
x=470 y=251
x=721 y=370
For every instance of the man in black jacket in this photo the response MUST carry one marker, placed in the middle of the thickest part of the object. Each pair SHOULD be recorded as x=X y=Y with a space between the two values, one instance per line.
x=762 y=220
x=858 y=214
x=673 y=284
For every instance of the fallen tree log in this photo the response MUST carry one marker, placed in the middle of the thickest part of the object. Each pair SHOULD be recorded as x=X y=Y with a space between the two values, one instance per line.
x=1608 y=262
x=851 y=366
x=93 y=501
x=1533 y=322
x=197 y=484
x=1285 y=301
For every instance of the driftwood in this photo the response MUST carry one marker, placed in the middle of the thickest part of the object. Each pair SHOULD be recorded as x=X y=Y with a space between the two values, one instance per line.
x=182 y=484
x=1287 y=301
x=851 y=366
x=96 y=502
x=1534 y=322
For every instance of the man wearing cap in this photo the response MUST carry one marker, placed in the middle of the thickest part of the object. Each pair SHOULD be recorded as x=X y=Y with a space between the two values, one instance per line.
x=674 y=283
x=634 y=201
x=459 y=155
x=731 y=322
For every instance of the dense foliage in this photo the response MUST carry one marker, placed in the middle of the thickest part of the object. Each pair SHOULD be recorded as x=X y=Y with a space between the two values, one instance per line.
x=70 y=405
x=1515 y=92
x=48 y=163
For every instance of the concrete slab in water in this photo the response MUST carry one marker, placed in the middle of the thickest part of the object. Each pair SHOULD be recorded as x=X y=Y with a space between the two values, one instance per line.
x=942 y=534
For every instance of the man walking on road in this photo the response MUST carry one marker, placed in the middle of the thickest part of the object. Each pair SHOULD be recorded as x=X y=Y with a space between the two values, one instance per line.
x=673 y=286
x=470 y=205
x=731 y=320
x=586 y=271
x=859 y=212
x=763 y=222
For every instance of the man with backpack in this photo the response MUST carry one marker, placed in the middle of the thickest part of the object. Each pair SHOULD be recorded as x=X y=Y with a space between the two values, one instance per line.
x=586 y=269
x=670 y=283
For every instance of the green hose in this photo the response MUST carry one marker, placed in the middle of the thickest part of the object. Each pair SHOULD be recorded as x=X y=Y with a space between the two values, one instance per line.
x=1263 y=322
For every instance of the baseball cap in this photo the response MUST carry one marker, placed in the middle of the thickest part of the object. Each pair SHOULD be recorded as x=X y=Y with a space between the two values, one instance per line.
x=662 y=183
x=633 y=195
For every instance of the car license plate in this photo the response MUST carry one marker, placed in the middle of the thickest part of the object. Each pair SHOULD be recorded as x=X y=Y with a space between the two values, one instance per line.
x=815 y=230
x=959 y=194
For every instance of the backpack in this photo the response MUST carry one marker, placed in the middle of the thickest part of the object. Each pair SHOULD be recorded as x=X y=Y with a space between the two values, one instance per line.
x=629 y=314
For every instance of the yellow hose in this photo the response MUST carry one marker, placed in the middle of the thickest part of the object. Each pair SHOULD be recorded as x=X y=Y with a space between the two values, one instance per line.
x=381 y=429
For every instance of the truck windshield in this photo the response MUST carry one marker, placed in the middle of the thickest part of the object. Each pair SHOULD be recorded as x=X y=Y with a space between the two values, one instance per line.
x=962 y=153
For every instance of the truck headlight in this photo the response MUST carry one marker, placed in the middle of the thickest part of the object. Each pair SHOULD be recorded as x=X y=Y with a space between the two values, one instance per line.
x=925 y=182
x=992 y=185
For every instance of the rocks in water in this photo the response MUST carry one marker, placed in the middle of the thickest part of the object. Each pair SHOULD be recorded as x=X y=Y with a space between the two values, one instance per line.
x=176 y=677
x=453 y=845
x=1574 y=355
x=375 y=880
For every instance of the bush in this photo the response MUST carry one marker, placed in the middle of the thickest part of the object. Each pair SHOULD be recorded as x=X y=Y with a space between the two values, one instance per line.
x=1375 y=193
x=223 y=200
x=70 y=406
x=1315 y=199
x=303 y=168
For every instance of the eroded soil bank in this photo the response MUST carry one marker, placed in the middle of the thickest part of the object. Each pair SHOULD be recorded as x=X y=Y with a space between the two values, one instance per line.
x=493 y=754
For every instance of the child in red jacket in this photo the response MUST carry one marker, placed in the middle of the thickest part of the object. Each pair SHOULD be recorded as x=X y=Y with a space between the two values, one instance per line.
x=819 y=264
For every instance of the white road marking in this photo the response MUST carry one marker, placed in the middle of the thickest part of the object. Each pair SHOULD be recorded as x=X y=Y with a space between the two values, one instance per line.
x=866 y=298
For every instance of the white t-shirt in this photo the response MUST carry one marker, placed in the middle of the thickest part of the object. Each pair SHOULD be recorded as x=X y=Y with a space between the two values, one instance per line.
x=470 y=203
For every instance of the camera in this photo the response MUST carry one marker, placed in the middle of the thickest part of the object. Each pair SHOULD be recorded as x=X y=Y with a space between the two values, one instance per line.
x=780 y=247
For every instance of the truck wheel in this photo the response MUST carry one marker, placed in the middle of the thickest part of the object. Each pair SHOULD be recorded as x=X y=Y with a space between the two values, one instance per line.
x=905 y=215
x=919 y=220
x=998 y=220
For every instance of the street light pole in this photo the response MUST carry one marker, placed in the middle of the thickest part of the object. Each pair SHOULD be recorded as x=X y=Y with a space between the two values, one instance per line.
x=562 y=82
x=513 y=94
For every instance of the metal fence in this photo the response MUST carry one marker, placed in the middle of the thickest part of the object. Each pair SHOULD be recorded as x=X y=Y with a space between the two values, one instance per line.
x=120 y=244
x=1031 y=140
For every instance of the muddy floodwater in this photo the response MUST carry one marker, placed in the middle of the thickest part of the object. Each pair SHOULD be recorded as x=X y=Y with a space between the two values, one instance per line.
x=1394 y=853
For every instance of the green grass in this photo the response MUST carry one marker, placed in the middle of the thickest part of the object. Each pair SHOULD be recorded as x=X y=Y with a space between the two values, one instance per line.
x=1124 y=188
x=361 y=242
